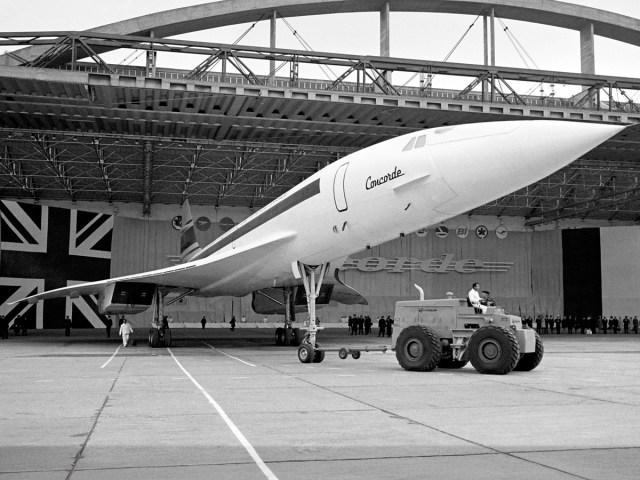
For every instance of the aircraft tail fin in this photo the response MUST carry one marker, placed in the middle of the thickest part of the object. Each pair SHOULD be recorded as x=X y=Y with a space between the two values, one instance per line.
x=189 y=245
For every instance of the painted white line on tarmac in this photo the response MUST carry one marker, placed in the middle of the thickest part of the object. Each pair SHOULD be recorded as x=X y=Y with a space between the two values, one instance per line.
x=230 y=356
x=111 y=358
x=236 y=431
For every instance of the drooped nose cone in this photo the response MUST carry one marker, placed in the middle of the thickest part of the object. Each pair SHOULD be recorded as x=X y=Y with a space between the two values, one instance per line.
x=483 y=162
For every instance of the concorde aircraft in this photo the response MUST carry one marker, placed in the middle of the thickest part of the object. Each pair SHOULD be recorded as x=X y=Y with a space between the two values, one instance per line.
x=364 y=199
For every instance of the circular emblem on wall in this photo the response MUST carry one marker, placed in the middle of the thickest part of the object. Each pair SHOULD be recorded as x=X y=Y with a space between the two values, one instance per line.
x=462 y=231
x=176 y=222
x=203 y=224
x=422 y=232
x=501 y=232
x=226 y=224
x=482 y=231
x=442 y=231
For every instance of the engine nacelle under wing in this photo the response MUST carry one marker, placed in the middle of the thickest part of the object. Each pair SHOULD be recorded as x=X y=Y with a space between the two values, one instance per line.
x=126 y=297
x=270 y=301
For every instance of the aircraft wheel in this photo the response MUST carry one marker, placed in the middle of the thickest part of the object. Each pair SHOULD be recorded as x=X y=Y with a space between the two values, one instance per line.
x=343 y=353
x=355 y=354
x=494 y=350
x=418 y=348
x=279 y=336
x=529 y=361
x=318 y=355
x=295 y=337
x=167 y=338
x=154 y=338
x=305 y=353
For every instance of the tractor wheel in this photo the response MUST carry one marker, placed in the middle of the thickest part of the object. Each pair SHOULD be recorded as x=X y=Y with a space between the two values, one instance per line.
x=318 y=355
x=154 y=338
x=494 y=350
x=279 y=336
x=167 y=337
x=305 y=353
x=418 y=349
x=529 y=361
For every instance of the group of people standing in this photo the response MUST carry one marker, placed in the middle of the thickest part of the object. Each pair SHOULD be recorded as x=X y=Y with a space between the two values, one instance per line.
x=359 y=324
x=546 y=324
x=232 y=322
x=19 y=326
x=362 y=324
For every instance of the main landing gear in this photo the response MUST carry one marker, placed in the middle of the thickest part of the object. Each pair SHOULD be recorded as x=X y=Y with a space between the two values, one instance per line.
x=288 y=335
x=159 y=333
x=309 y=350
x=159 y=336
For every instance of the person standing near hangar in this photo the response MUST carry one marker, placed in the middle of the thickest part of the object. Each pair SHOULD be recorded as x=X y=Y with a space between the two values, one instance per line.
x=125 y=330
x=4 y=327
x=108 y=323
x=67 y=326
x=381 y=326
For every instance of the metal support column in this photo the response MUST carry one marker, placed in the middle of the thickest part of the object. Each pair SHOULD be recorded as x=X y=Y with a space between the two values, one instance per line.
x=223 y=73
x=385 y=36
x=152 y=58
x=272 y=44
x=74 y=54
x=493 y=37
x=147 y=177
x=587 y=57
x=492 y=34
x=587 y=50
x=485 y=37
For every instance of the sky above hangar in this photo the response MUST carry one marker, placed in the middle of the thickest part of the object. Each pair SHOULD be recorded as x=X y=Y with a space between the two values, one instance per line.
x=419 y=36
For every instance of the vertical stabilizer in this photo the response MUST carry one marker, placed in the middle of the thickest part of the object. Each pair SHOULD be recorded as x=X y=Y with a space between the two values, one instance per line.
x=189 y=245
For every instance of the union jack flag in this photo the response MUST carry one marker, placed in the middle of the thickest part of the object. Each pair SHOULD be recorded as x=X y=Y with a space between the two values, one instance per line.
x=42 y=248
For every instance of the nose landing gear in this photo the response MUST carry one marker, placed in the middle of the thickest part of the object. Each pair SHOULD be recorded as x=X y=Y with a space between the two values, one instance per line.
x=309 y=350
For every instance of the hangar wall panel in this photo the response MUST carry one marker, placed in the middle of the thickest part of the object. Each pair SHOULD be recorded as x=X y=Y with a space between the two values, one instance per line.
x=620 y=257
x=140 y=245
x=523 y=271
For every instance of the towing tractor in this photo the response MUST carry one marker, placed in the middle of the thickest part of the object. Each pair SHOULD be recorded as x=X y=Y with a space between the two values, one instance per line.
x=448 y=333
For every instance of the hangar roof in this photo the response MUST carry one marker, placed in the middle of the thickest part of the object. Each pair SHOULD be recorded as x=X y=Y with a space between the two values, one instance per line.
x=121 y=136
x=77 y=136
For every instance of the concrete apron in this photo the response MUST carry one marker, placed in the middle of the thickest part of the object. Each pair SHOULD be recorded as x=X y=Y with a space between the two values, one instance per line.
x=236 y=406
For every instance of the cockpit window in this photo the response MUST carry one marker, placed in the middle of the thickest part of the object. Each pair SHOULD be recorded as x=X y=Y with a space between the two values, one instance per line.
x=415 y=142
x=409 y=145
